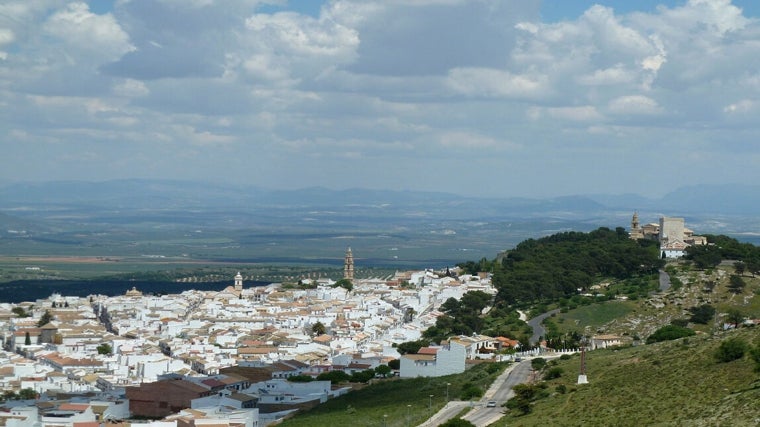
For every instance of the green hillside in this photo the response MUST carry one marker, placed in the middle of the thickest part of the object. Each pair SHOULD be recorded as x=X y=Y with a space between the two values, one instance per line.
x=672 y=383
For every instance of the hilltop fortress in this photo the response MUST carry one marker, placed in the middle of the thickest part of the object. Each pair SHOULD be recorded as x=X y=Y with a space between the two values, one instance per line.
x=673 y=236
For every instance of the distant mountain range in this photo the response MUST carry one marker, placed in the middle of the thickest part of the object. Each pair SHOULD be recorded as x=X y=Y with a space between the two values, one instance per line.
x=193 y=220
x=167 y=194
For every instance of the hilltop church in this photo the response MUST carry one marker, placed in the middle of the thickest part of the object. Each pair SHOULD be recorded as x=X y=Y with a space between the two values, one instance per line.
x=674 y=238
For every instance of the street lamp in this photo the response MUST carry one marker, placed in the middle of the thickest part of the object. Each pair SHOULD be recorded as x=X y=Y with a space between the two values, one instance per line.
x=408 y=414
x=385 y=420
x=447 y=392
x=430 y=403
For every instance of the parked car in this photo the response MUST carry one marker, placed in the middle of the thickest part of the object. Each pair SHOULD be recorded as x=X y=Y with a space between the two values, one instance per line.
x=491 y=404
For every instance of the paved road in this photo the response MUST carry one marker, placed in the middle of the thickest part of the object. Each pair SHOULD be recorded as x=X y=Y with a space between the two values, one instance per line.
x=538 y=328
x=500 y=391
x=664 y=281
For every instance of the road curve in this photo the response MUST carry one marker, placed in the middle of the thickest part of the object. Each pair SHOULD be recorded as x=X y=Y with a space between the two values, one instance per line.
x=538 y=328
x=664 y=281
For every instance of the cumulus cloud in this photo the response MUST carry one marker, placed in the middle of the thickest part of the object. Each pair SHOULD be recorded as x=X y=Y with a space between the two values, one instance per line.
x=634 y=105
x=224 y=81
x=85 y=31
x=495 y=83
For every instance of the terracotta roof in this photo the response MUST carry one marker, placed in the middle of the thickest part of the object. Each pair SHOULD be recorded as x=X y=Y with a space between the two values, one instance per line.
x=428 y=350
x=74 y=407
x=419 y=357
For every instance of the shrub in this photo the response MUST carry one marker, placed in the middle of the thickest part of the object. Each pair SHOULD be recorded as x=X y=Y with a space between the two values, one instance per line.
x=457 y=422
x=669 y=332
x=730 y=350
x=335 y=377
x=538 y=363
x=680 y=322
x=553 y=373
x=702 y=314
x=471 y=391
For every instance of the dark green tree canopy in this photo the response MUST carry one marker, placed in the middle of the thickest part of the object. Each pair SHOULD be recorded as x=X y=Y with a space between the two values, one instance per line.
x=557 y=266
x=44 y=319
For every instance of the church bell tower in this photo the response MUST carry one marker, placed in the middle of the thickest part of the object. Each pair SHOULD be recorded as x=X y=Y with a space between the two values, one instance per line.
x=348 y=265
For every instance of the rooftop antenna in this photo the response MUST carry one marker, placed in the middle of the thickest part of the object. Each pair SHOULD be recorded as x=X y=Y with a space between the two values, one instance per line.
x=582 y=379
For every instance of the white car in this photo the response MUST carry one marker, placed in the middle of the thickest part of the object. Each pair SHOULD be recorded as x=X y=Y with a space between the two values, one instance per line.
x=491 y=404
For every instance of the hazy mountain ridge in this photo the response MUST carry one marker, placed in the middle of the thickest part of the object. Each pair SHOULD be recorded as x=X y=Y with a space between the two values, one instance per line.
x=402 y=225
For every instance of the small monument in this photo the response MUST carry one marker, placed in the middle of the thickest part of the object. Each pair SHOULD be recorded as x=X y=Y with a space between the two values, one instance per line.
x=582 y=379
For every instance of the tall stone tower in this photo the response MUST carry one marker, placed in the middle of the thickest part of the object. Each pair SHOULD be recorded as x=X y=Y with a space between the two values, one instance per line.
x=636 y=231
x=238 y=282
x=348 y=265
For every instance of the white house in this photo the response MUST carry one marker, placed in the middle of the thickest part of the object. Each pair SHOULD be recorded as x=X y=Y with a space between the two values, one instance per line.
x=434 y=361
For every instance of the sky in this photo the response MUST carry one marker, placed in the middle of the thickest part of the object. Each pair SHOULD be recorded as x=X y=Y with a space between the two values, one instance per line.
x=492 y=98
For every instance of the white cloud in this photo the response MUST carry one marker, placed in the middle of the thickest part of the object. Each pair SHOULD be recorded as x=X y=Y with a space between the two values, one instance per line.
x=574 y=114
x=382 y=82
x=743 y=106
x=83 y=30
x=615 y=75
x=131 y=88
x=485 y=82
x=634 y=105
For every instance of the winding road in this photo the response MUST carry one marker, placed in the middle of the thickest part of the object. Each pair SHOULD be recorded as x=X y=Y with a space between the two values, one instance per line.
x=538 y=328
x=664 y=281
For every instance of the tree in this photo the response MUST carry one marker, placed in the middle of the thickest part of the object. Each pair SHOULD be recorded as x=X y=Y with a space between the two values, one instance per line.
x=300 y=379
x=20 y=312
x=345 y=284
x=538 y=363
x=27 y=339
x=363 y=376
x=704 y=256
x=702 y=314
x=734 y=316
x=731 y=349
x=105 y=348
x=739 y=268
x=395 y=364
x=736 y=284
x=318 y=328
x=27 y=394
x=412 y=347
x=383 y=370
x=44 y=319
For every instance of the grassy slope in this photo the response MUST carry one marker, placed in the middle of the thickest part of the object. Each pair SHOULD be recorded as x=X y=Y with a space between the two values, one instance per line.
x=670 y=384
x=643 y=316
x=367 y=406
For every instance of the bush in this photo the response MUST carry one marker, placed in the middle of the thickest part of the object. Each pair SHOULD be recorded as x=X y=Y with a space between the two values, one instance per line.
x=471 y=391
x=680 y=322
x=538 y=363
x=553 y=373
x=731 y=349
x=457 y=422
x=565 y=357
x=669 y=332
x=702 y=314
x=335 y=377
